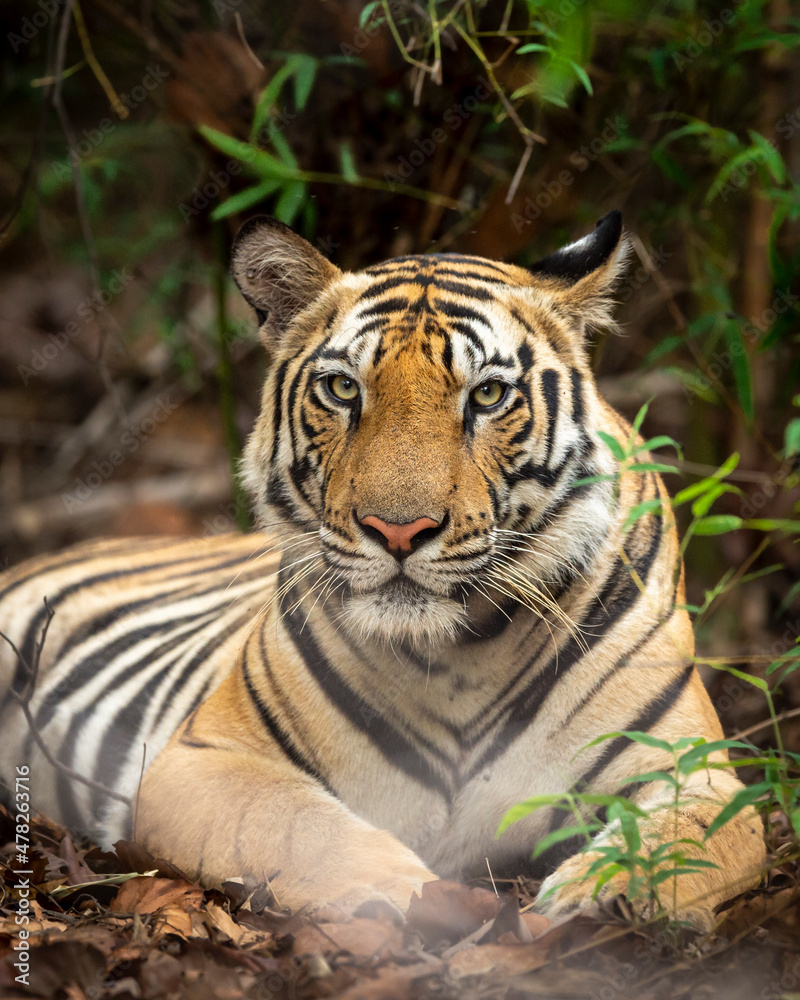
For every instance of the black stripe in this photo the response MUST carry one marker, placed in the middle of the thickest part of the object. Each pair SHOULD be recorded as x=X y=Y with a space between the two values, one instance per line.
x=91 y=627
x=621 y=664
x=197 y=661
x=471 y=275
x=617 y=597
x=277 y=410
x=577 y=397
x=278 y=734
x=459 y=288
x=644 y=722
x=88 y=669
x=28 y=645
x=389 y=741
x=89 y=553
x=544 y=864
x=386 y=307
x=550 y=386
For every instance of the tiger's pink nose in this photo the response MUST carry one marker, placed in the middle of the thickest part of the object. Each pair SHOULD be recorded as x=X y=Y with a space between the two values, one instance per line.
x=398 y=536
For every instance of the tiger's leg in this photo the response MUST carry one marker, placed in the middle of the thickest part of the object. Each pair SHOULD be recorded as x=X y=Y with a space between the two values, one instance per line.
x=219 y=806
x=737 y=849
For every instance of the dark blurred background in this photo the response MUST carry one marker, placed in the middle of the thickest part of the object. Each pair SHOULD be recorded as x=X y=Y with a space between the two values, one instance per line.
x=138 y=135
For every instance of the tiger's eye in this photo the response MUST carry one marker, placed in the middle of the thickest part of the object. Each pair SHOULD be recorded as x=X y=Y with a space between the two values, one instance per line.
x=343 y=387
x=488 y=393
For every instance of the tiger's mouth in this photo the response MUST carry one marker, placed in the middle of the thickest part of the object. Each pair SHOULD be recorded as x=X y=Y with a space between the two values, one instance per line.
x=404 y=611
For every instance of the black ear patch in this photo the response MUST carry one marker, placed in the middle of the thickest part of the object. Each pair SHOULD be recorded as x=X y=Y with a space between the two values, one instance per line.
x=575 y=261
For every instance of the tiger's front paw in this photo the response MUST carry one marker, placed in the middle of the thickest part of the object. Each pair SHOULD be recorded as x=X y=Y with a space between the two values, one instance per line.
x=391 y=896
x=571 y=888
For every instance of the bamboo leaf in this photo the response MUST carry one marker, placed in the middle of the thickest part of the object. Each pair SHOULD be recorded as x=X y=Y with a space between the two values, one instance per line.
x=740 y=363
x=613 y=445
x=244 y=199
x=742 y=799
x=347 y=163
x=717 y=524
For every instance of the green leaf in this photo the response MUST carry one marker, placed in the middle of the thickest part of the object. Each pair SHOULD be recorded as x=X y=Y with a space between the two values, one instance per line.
x=791 y=438
x=649 y=776
x=606 y=876
x=532 y=47
x=628 y=826
x=651 y=467
x=267 y=100
x=717 y=524
x=523 y=809
x=304 y=68
x=688 y=760
x=583 y=76
x=290 y=202
x=614 y=446
x=741 y=366
x=638 y=420
x=715 y=490
x=772 y=156
x=732 y=172
x=645 y=507
x=748 y=678
x=255 y=160
x=367 y=12
x=348 y=166
x=773 y=524
x=662 y=441
x=564 y=833
x=61 y=891
x=636 y=736
x=282 y=147
x=244 y=199
x=742 y=799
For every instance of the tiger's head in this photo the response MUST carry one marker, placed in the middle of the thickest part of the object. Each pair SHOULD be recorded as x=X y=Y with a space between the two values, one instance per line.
x=428 y=420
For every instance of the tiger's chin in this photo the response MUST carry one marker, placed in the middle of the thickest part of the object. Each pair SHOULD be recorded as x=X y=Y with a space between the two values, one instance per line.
x=401 y=612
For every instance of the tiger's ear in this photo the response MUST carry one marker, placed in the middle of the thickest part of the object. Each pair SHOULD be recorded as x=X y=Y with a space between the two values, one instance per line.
x=582 y=274
x=278 y=272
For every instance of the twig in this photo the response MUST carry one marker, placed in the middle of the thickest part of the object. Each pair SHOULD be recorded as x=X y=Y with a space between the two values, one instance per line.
x=523 y=163
x=138 y=791
x=790 y=713
x=96 y=68
x=245 y=44
x=23 y=699
x=492 y=877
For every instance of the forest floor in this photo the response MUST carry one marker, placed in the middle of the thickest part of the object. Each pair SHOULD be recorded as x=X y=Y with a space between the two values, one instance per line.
x=97 y=930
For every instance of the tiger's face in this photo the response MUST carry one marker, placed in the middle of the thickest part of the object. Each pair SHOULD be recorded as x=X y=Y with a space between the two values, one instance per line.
x=428 y=421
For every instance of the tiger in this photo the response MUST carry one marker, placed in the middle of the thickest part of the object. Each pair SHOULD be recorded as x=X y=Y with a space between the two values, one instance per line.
x=445 y=604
